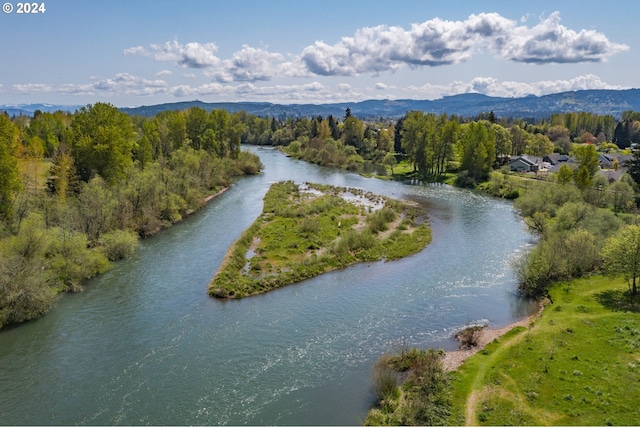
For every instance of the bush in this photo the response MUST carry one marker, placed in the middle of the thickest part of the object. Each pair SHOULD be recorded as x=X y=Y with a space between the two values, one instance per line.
x=118 y=244
x=469 y=336
x=385 y=382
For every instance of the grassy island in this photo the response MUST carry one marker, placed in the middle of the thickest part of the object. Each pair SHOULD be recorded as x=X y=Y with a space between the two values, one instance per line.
x=308 y=229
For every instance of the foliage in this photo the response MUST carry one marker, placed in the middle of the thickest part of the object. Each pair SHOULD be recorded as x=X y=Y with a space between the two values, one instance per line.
x=424 y=396
x=9 y=173
x=469 y=336
x=571 y=231
x=118 y=244
x=102 y=140
x=621 y=254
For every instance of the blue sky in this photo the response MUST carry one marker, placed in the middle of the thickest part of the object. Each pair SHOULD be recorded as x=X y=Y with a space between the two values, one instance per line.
x=143 y=52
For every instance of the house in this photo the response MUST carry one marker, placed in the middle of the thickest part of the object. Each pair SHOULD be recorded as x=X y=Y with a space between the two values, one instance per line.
x=525 y=163
x=557 y=158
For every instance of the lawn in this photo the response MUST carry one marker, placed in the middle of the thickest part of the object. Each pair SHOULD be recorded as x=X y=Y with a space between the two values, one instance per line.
x=578 y=364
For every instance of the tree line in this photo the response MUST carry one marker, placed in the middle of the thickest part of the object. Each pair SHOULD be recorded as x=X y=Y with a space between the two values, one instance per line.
x=108 y=179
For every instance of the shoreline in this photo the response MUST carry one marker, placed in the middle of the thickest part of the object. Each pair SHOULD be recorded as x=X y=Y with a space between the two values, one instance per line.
x=454 y=359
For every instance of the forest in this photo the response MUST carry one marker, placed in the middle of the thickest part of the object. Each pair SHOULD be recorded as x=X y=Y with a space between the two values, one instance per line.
x=78 y=190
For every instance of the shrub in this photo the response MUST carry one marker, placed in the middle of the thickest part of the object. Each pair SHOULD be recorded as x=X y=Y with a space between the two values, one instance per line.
x=469 y=336
x=385 y=382
x=118 y=244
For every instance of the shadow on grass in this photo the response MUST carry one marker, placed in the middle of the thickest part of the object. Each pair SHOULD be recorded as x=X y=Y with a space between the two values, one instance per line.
x=619 y=300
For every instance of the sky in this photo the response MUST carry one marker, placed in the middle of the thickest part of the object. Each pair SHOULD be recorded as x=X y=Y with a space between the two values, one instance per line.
x=145 y=52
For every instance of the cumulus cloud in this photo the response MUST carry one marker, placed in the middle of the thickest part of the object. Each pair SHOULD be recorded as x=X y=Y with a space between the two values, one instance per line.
x=373 y=50
x=190 y=55
x=549 y=41
x=440 y=42
x=254 y=64
x=164 y=73
x=508 y=89
x=120 y=84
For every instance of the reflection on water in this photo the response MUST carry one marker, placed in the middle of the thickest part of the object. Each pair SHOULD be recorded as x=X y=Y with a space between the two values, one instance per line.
x=144 y=344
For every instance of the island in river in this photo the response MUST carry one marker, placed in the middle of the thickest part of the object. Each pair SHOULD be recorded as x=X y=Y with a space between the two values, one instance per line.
x=308 y=229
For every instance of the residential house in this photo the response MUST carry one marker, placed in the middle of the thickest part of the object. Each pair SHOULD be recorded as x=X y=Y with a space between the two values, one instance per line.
x=525 y=163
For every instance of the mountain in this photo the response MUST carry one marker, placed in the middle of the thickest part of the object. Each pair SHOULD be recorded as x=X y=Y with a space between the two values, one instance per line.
x=602 y=102
x=29 y=109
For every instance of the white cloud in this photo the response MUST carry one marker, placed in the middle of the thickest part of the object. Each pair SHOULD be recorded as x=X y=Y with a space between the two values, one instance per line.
x=190 y=55
x=189 y=75
x=439 y=42
x=136 y=50
x=164 y=73
x=384 y=86
x=252 y=64
x=372 y=50
x=510 y=89
x=551 y=42
x=31 y=88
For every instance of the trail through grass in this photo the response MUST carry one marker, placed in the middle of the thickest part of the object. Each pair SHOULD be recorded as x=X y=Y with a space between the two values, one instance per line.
x=578 y=364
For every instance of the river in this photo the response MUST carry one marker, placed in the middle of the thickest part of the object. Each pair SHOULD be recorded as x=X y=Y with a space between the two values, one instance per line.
x=144 y=344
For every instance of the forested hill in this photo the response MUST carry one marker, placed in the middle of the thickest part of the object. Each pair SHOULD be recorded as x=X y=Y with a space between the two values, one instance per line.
x=601 y=102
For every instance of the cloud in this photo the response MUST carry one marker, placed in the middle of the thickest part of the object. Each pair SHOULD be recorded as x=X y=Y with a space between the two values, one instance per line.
x=164 y=73
x=190 y=55
x=438 y=42
x=120 y=84
x=31 y=88
x=373 y=50
x=384 y=86
x=254 y=64
x=551 y=42
x=511 y=89
x=136 y=50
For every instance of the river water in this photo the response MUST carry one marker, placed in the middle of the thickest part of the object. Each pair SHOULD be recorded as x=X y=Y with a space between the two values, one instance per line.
x=144 y=344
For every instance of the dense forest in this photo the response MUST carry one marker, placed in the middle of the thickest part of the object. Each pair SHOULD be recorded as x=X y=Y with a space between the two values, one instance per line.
x=78 y=190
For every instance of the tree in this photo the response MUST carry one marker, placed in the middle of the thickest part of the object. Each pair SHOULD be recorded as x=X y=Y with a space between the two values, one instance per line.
x=352 y=131
x=477 y=150
x=633 y=166
x=102 y=140
x=10 y=183
x=564 y=174
x=587 y=158
x=389 y=160
x=621 y=255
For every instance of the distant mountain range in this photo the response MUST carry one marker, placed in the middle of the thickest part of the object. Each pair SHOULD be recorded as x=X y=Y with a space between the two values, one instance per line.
x=601 y=102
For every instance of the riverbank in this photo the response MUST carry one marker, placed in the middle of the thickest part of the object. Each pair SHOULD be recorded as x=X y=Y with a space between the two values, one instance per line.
x=454 y=359
x=309 y=229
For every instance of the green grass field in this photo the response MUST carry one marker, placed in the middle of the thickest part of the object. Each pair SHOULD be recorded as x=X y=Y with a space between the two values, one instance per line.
x=578 y=364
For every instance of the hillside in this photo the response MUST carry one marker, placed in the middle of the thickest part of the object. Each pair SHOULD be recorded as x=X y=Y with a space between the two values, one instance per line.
x=601 y=102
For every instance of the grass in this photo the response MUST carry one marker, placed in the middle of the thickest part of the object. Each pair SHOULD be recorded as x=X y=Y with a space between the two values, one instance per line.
x=306 y=230
x=578 y=364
